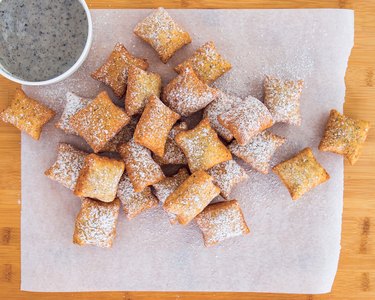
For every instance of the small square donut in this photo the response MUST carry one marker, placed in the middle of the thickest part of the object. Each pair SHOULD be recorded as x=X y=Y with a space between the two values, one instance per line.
x=191 y=197
x=162 y=33
x=226 y=176
x=141 y=85
x=99 y=178
x=96 y=223
x=173 y=155
x=344 y=135
x=67 y=166
x=154 y=125
x=301 y=173
x=134 y=203
x=27 y=114
x=186 y=94
x=282 y=98
x=142 y=170
x=73 y=104
x=259 y=151
x=220 y=105
x=221 y=221
x=99 y=121
x=123 y=136
x=202 y=147
x=207 y=63
x=246 y=119
x=167 y=186
x=114 y=71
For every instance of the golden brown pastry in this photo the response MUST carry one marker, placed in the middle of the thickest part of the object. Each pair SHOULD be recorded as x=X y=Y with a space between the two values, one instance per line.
x=191 y=197
x=114 y=72
x=221 y=221
x=142 y=170
x=27 y=114
x=67 y=166
x=246 y=119
x=162 y=33
x=202 y=147
x=207 y=63
x=282 y=98
x=301 y=173
x=259 y=151
x=345 y=136
x=154 y=125
x=134 y=203
x=99 y=121
x=99 y=178
x=96 y=223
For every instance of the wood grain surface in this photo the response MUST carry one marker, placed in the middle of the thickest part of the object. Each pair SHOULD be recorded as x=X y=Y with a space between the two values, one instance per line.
x=356 y=275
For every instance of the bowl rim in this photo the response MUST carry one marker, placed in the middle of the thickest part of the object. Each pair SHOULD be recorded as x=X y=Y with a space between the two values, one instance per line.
x=68 y=72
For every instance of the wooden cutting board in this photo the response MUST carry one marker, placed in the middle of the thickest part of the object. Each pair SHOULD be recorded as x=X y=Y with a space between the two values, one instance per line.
x=356 y=275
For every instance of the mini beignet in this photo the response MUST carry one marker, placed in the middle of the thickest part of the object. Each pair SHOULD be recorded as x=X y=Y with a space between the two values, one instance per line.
x=259 y=151
x=282 y=98
x=246 y=119
x=73 y=104
x=140 y=86
x=226 y=176
x=344 y=135
x=186 y=94
x=114 y=72
x=191 y=197
x=134 y=203
x=301 y=173
x=27 y=114
x=202 y=147
x=162 y=33
x=142 y=170
x=154 y=126
x=96 y=223
x=67 y=166
x=99 y=121
x=221 y=221
x=99 y=178
x=207 y=63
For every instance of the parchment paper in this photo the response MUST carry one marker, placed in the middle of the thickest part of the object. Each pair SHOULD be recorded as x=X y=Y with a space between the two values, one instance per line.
x=293 y=246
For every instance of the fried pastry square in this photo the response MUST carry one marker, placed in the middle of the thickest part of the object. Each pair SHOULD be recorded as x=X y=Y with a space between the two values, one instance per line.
x=162 y=33
x=123 y=136
x=134 y=203
x=114 y=72
x=221 y=221
x=220 y=105
x=27 y=114
x=73 y=104
x=259 y=151
x=344 y=135
x=142 y=170
x=226 y=176
x=202 y=147
x=167 y=186
x=141 y=85
x=246 y=119
x=301 y=173
x=173 y=155
x=186 y=94
x=154 y=126
x=282 y=98
x=207 y=63
x=191 y=197
x=99 y=121
x=67 y=166
x=96 y=223
x=99 y=178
